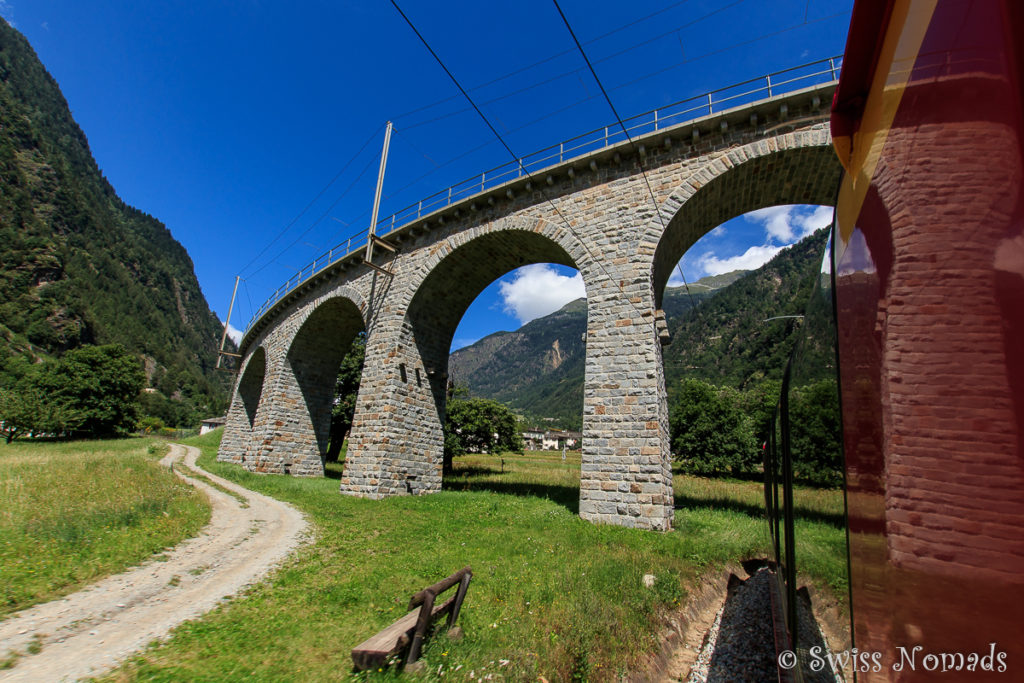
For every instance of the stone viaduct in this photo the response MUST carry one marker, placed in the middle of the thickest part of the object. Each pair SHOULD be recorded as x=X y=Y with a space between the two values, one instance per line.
x=594 y=213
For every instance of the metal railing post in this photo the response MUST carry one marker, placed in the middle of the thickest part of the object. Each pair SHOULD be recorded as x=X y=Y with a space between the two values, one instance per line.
x=768 y=78
x=710 y=108
x=655 y=119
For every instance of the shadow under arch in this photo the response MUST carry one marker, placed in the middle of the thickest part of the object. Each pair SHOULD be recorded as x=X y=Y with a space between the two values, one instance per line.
x=314 y=358
x=250 y=386
x=801 y=175
x=442 y=298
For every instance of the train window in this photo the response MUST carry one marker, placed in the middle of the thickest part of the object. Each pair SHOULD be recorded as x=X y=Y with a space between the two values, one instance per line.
x=809 y=495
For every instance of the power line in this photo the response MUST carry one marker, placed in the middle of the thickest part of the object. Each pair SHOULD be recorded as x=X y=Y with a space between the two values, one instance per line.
x=728 y=48
x=519 y=161
x=564 y=74
x=540 y=62
x=323 y=215
x=308 y=206
x=625 y=132
x=245 y=286
x=413 y=145
x=454 y=80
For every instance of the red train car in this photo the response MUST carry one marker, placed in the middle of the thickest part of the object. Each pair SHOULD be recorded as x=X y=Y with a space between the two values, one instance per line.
x=926 y=277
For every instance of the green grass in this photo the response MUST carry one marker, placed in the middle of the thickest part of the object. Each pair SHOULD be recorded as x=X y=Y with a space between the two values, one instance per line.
x=551 y=595
x=71 y=513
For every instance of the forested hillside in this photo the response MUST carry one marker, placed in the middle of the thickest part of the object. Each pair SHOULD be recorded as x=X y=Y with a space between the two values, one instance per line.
x=729 y=340
x=538 y=369
x=724 y=340
x=79 y=266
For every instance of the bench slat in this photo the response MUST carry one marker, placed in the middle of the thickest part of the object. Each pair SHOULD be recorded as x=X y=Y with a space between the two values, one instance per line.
x=374 y=651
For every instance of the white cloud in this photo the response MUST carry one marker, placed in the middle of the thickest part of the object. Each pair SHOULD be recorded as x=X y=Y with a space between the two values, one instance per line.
x=7 y=12
x=234 y=333
x=537 y=290
x=783 y=226
x=752 y=258
x=787 y=224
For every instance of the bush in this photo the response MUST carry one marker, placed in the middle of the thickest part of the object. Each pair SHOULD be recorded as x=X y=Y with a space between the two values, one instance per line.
x=149 y=425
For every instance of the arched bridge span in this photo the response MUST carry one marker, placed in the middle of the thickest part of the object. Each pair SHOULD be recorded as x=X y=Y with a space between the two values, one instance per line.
x=595 y=213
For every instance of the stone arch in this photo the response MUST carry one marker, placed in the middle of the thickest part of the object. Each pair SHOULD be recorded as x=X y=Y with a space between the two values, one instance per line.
x=796 y=168
x=437 y=307
x=325 y=332
x=397 y=444
x=250 y=383
x=474 y=264
x=240 y=425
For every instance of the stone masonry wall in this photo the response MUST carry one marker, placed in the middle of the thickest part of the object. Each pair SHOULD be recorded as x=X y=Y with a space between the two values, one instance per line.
x=244 y=404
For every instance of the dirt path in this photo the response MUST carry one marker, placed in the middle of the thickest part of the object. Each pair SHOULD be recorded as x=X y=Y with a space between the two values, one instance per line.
x=88 y=632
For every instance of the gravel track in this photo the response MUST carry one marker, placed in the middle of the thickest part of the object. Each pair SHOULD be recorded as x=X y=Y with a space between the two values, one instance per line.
x=89 y=632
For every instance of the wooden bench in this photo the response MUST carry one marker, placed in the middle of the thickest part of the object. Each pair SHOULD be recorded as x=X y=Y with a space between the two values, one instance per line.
x=410 y=630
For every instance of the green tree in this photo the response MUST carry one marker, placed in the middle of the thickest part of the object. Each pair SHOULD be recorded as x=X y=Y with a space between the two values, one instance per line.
x=816 y=433
x=758 y=404
x=27 y=410
x=478 y=425
x=710 y=435
x=100 y=384
x=346 y=390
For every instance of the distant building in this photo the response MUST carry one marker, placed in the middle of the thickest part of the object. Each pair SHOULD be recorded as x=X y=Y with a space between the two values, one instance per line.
x=537 y=439
x=533 y=439
x=555 y=439
x=209 y=424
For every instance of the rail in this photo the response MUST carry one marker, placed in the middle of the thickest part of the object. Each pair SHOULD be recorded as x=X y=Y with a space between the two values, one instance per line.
x=744 y=92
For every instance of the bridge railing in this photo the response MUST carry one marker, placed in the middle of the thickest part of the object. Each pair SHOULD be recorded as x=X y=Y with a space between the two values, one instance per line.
x=745 y=92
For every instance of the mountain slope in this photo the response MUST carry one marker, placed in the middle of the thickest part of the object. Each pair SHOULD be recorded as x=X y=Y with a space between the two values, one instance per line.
x=727 y=341
x=538 y=369
x=80 y=266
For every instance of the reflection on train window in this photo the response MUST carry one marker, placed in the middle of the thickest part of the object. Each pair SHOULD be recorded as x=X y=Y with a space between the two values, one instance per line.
x=804 y=477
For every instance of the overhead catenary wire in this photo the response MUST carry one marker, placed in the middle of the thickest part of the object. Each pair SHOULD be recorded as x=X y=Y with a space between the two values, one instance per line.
x=516 y=158
x=586 y=99
x=245 y=286
x=322 y=216
x=625 y=131
x=465 y=93
x=551 y=79
x=555 y=56
x=306 y=208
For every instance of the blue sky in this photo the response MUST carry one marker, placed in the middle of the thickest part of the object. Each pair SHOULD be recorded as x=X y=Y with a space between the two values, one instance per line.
x=240 y=123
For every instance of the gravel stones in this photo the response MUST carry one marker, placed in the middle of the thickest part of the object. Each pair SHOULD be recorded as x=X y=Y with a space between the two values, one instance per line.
x=740 y=645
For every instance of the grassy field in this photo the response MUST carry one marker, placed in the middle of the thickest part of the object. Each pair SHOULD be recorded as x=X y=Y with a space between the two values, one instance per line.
x=71 y=513
x=551 y=595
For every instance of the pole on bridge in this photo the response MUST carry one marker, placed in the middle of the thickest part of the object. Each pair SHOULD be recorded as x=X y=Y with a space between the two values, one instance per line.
x=231 y=307
x=376 y=195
